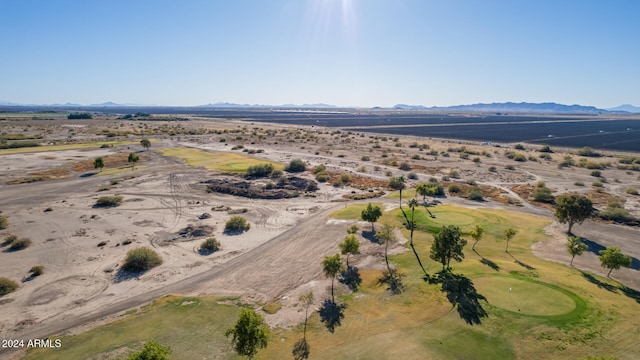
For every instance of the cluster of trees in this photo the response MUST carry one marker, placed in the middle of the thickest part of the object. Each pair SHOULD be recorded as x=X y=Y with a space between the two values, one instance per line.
x=133 y=158
x=76 y=116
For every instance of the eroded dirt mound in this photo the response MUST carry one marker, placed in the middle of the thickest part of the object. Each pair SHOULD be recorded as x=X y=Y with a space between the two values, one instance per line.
x=292 y=187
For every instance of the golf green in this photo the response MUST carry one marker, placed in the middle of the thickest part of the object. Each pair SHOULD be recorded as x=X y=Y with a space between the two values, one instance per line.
x=452 y=218
x=524 y=296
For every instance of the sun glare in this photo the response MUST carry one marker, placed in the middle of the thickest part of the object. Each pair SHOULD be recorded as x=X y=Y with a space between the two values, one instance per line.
x=327 y=14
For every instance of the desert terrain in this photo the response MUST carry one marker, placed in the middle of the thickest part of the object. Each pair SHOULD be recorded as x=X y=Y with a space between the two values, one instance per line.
x=49 y=193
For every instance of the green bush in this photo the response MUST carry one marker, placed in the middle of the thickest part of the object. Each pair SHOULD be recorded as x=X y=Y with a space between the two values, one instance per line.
x=543 y=194
x=322 y=177
x=141 y=259
x=345 y=178
x=319 y=169
x=37 y=270
x=236 y=224
x=210 y=245
x=632 y=191
x=296 y=166
x=151 y=351
x=9 y=239
x=475 y=194
x=519 y=147
x=453 y=189
x=545 y=149
x=7 y=286
x=4 y=222
x=260 y=170
x=109 y=201
x=20 y=244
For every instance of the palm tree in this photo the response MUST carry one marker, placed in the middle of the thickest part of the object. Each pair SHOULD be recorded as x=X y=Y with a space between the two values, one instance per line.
x=509 y=234
x=331 y=266
x=411 y=225
x=476 y=235
x=575 y=247
x=386 y=237
x=397 y=183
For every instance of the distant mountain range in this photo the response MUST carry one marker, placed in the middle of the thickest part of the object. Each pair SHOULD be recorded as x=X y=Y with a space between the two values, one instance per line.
x=627 y=108
x=508 y=107
x=523 y=107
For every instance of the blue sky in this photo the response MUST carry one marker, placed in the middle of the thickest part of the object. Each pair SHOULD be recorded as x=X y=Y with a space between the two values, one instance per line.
x=342 y=52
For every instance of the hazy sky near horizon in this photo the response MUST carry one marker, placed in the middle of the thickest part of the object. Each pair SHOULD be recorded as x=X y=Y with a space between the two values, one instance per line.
x=341 y=52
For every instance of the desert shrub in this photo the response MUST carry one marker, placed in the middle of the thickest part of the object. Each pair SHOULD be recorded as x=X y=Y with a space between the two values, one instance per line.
x=282 y=181
x=127 y=242
x=596 y=173
x=20 y=244
x=597 y=184
x=322 y=177
x=345 y=178
x=632 y=191
x=270 y=185
x=141 y=259
x=365 y=158
x=276 y=173
x=454 y=174
x=519 y=147
x=543 y=194
x=7 y=286
x=545 y=157
x=493 y=169
x=37 y=270
x=510 y=167
x=453 y=189
x=475 y=194
x=296 y=166
x=319 y=169
x=545 y=149
x=260 y=170
x=615 y=212
x=210 y=245
x=9 y=239
x=519 y=158
x=476 y=160
x=578 y=183
x=271 y=308
x=587 y=151
x=109 y=201
x=4 y=222
x=236 y=224
x=412 y=175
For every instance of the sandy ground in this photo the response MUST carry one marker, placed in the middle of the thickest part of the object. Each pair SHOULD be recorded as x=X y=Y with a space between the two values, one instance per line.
x=277 y=260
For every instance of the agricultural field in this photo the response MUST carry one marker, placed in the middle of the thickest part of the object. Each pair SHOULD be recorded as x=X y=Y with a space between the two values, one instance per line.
x=74 y=224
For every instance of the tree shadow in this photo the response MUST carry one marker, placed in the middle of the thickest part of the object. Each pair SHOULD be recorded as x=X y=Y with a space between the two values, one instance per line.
x=393 y=280
x=461 y=292
x=634 y=294
x=371 y=236
x=124 y=275
x=301 y=349
x=351 y=278
x=487 y=262
x=331 y=314
x=526 y=266
x=88 y=174
x=595 y=248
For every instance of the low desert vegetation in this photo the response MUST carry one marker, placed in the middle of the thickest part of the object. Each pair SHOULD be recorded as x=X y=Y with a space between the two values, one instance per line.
x=37 y=270
x=237 y=224
x=141 y=259
x=7 y=286
x=210 y=245
x=19 y=244
x=109 y=201
x=260 y=170
x=4 y=223
x=296 y=166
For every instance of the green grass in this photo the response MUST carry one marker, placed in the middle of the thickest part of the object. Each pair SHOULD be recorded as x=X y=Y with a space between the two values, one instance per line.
x=563 y=314
x=350 y=212
x=193 y=328
x=217 y=161
x=64 y=147
x=524 y=296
